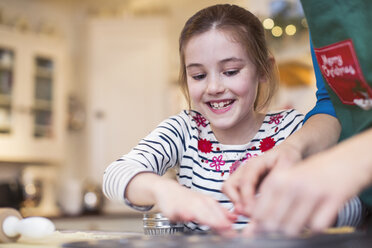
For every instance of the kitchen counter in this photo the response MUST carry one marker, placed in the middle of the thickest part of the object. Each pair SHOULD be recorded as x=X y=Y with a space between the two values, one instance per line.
x=78 y=239
x=350 y=240
x=132 y=240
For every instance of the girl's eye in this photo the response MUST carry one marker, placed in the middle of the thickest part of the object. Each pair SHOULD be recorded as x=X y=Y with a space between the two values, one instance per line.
x=231 y=72
x=199 y=76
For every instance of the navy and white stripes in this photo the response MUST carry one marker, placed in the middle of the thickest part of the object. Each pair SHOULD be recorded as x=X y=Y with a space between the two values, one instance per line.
x=352 y=213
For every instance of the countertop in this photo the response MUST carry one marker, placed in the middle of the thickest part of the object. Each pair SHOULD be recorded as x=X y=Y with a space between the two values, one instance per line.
x=350 y=240
x=126 y=231
x=75 y=239
x=87 y=228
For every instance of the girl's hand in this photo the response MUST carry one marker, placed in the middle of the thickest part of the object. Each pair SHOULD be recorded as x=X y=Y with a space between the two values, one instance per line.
x=243 y=185
x=182 y=204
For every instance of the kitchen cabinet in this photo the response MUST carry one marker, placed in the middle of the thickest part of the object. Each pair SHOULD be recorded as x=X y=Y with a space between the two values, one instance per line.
x=32 y=97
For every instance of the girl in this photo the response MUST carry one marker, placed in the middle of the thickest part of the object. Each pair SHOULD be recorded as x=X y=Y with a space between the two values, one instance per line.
x=228 y=78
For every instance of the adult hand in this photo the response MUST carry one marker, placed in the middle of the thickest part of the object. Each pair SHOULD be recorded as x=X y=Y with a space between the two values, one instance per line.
x=242 y=186
x=311 y=193
x=308 y=195
x=182 y=204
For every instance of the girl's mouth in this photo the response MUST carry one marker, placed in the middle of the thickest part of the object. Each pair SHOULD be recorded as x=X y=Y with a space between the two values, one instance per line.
x=221 y=105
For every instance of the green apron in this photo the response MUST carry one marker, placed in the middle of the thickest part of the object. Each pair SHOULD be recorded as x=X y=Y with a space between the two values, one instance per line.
x=341 y=35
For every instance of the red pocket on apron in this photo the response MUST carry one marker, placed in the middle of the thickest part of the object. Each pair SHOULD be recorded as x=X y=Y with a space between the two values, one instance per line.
x=340 y=68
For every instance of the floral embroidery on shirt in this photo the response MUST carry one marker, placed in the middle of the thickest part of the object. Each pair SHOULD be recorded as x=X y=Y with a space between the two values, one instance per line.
x=266 y=144
x=204 y=145
x=275 y=119
x=200 y=120
x=217 y=162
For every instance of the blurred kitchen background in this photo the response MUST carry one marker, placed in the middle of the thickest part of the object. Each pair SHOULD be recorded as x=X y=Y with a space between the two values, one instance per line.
x=82 y=81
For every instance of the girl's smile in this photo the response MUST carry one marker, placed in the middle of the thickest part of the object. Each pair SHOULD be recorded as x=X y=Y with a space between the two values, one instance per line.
x=221 y=106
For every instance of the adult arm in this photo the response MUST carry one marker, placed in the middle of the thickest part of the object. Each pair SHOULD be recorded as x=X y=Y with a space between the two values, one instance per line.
x=323 y=102
x=311 y=193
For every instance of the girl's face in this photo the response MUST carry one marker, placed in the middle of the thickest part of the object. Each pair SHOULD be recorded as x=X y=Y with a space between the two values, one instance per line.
x=221 y=79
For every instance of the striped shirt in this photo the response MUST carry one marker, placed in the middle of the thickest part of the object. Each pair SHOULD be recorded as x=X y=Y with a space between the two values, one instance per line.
x=186 y=142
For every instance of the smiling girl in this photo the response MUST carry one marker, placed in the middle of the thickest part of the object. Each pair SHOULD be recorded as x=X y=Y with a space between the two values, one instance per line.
x=228 y=77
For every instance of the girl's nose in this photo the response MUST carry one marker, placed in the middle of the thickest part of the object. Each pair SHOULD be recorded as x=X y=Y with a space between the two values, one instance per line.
x=215 y=86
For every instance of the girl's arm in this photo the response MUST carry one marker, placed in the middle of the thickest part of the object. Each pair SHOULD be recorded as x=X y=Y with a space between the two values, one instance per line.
x=177 y=202
x=136 y=178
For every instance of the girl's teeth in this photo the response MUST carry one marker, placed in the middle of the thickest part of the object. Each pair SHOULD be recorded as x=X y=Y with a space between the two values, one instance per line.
x=220 y=104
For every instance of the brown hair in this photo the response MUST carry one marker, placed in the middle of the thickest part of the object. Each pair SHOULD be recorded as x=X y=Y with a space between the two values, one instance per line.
x=247 y=30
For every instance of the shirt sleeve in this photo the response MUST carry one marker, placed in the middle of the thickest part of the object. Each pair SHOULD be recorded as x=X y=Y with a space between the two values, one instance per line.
x=292 y=122
x=323 y=103
x=156 y=153
x=353 y=213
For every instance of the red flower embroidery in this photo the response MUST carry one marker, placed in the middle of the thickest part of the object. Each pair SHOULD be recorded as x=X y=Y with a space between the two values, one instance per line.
x=200 y=120
x=204 y=145
x=275 y=119
x=217 y=162
x=266 y=144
